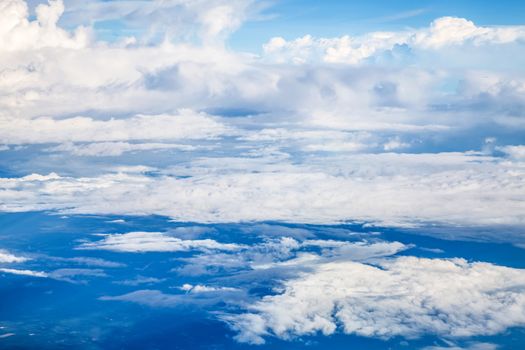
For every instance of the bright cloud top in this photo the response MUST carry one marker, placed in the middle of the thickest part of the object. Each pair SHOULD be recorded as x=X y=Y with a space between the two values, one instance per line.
x=143 y=109
x=186 y=125
x=405 y=296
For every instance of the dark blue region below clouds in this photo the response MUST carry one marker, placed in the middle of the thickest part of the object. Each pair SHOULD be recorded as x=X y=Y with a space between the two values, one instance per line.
x=67 y=310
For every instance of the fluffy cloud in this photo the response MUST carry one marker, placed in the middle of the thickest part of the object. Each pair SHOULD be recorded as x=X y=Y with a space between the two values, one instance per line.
x=177 y=20
x=471 y=346
x=405 y=296
x=141 y=242
x=19 y=33
x=295 y=150
x=89 y=261
x=24 y=272
x=514 y=152
x=153 y=298
x=396 y=189
x=444 y=31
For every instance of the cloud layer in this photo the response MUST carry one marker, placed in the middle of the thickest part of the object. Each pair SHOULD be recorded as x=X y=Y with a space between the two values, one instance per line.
x=395 y=189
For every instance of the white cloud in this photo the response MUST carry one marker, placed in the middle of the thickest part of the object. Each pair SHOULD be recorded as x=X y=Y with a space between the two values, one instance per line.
x=514 y=152
x=24 y=272
x=105 y=149
x=404 y=296
x=444 y=31
x=6 y=257
x=140 y=280
x=185 y=125
x=140 y=242
x=199 y=288
x=395 y=189
x=207 y=21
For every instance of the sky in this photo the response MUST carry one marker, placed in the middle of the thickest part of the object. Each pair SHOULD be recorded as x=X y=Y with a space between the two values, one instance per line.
x=331 y=18
x=274 y=174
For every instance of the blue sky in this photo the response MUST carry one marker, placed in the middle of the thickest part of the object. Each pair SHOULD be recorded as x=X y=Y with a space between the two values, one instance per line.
x=331 y=18
x=243 y=174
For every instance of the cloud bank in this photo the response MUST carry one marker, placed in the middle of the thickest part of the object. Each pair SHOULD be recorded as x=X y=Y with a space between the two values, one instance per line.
x=388 y=189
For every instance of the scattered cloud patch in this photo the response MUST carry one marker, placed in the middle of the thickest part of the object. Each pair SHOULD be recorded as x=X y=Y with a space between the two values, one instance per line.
x=24 y=272
x=199 y=288
x=404 y=296
x=388 y=189
x=142 y=242
x=6 y=257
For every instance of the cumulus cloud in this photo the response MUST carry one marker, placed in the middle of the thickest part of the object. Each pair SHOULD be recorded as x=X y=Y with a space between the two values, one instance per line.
x=89 y=261
x=46 y=84
x=19 y=33
x=299 y=147
x=444 y=31
x=140 y=280
x=140 y=242
x=404 y=296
